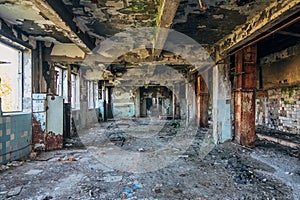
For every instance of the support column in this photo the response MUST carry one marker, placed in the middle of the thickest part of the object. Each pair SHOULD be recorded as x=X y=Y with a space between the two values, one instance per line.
x=173 y=102
x=137 y=103
x=191 y=105
x=221 y=103
x=202 y=101
x=67 y=106
x=244 y=95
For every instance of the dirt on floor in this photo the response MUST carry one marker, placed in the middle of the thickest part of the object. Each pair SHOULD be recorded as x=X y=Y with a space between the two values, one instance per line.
x=142 y=159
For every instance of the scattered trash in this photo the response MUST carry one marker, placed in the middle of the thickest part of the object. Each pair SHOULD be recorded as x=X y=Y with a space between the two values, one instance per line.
x=11 y=164
x=4 y=167
x=48 y=198
x=33 y=155
x=141 y=150
x=112 y=179
x=33 y=172
x=157 y=188
x=127 y=193
x=72 y=159
x=175 y=125
x=136 y=185
x=14 y=191
x=130 y=195
x=15 y=163
x=91 y=193
x=183 y=156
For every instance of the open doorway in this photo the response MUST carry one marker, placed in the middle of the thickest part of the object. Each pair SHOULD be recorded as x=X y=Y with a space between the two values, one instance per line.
x=156 y=101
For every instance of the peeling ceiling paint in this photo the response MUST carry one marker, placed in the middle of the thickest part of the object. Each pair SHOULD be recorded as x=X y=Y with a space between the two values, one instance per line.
x=206 y=21
x=67 y=50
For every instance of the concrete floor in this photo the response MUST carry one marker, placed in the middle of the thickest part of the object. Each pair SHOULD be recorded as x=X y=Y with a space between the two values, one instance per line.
x=154 y=159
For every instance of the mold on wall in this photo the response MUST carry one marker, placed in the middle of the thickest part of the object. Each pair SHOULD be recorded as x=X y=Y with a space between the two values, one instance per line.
x=279 y=110
x=278 y=102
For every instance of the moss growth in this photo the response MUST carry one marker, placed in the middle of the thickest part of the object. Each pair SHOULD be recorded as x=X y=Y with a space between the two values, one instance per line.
x=291 y=91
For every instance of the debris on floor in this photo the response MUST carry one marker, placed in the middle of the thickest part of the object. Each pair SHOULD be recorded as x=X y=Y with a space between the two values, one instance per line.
x=227 y=171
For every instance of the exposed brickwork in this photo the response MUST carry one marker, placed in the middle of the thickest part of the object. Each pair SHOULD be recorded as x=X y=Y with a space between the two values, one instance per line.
x=280 y=110
x=47 y=141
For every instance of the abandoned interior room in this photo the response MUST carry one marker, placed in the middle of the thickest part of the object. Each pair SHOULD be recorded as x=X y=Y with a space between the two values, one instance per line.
x=150 y=99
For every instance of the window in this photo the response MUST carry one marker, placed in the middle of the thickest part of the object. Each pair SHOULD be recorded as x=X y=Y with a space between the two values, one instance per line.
x=92 y=94
x=75 y=88
x=61 y=79
x=11 y=77
x=96 y=95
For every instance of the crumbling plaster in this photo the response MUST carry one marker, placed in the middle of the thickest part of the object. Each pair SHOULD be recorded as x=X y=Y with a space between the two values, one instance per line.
x=256 y=25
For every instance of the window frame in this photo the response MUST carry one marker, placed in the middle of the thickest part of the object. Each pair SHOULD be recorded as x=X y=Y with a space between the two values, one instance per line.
x=75 y=100
x=19 y=77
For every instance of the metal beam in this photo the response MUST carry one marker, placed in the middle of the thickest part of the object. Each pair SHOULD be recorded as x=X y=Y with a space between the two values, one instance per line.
x=164 y=21
x=244 y=94
x=275 y=13
x=56 y=11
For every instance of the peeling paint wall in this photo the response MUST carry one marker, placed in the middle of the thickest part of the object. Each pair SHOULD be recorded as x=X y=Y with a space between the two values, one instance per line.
x=222 y=123
x=15 y=128
x=123 y=101
x=278 y=102
x=84 y=117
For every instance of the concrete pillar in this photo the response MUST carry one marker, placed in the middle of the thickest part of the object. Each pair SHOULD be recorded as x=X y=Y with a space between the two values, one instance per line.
x=188 y=103
x=173 y=102
x=221 y=104
x=244 y=95
x=137 y=103
x=191 y=104
x=202 y=102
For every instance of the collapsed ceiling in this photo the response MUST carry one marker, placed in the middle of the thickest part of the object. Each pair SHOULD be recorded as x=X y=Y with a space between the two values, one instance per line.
x=87 y=23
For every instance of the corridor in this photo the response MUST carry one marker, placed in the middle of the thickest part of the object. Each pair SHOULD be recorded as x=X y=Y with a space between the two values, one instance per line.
x=111 y=161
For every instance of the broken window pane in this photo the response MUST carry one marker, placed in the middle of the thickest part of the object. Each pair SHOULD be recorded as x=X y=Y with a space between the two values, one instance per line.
x=75 y=96
x=11 y=78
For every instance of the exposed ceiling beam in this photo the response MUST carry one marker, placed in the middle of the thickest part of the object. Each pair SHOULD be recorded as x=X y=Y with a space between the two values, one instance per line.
x=56 y=11
x=166 y=14
x=277 y=12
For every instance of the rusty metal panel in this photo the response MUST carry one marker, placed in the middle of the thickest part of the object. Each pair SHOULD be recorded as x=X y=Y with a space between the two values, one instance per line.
x=249 y=67
x=238 y=81
x=202 y=101
x=245 y=94
x=47 y=122
x=245 y=118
